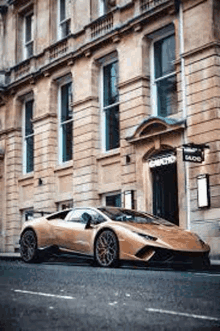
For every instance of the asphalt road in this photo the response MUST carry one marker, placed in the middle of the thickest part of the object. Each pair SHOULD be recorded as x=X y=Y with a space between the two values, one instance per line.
x=76 y=296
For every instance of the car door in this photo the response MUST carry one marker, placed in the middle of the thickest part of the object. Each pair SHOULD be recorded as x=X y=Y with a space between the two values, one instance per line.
x=82 y=237
x=71 y=233
x=63 y=232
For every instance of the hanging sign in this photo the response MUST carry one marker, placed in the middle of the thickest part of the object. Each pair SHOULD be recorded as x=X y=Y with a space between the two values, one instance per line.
x=192 y=154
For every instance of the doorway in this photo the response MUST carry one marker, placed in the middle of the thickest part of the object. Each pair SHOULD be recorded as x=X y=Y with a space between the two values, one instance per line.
x=165 y=192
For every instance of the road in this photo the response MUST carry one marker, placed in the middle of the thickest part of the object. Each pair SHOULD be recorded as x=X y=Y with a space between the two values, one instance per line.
x=62 y=295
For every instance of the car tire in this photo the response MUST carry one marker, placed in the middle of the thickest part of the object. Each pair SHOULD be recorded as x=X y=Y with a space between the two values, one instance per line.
x=106 y=249
x=202 y=263
x=206 y=262
x=28 y=246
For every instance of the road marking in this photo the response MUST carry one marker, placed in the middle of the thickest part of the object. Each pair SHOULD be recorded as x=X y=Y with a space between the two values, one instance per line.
x=46 y=294
x=182 y=314
x=204 y=274
x=113 y=303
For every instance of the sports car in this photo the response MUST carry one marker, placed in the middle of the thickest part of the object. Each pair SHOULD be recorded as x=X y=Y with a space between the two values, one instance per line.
x=109 y=235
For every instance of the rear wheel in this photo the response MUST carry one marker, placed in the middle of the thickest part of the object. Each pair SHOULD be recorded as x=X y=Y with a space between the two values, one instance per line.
x=28 y=248
x=107 y=249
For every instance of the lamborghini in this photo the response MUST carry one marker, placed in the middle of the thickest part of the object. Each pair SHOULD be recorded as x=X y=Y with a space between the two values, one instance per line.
x=110 y=235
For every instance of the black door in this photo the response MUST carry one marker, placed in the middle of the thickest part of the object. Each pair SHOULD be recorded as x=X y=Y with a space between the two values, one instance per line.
x=165 y=193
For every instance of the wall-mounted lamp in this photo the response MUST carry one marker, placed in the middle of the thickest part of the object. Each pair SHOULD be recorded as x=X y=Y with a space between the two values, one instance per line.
x=128 y=159
x=203 y=193
x=40 y=182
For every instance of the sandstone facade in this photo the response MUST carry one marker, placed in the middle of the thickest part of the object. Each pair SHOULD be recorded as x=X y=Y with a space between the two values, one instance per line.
x=162 y=100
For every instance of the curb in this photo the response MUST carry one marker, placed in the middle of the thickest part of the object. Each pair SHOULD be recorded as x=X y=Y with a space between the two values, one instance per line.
x=10 y=256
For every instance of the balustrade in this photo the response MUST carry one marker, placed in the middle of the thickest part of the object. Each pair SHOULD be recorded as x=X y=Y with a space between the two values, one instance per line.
x=102 y=26
x=146 y=5
x=58 y=50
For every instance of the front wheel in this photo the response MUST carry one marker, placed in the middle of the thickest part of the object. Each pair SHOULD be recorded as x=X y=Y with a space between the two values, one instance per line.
x=28 y=248
x=106 y=249
x=202 y=263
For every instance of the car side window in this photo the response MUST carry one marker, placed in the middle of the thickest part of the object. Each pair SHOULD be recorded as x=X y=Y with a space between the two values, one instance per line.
x=76 y=216
x=96 y=217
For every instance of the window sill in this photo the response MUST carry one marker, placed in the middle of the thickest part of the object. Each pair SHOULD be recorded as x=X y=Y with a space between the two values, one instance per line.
x=64 y=166
x=113 y=152
x=25 y=177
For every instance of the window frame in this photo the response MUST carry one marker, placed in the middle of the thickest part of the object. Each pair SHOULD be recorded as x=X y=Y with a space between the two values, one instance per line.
x=154 y=81
x=25 y=137
x=107 y=62
x=63 y=82
x=110 y=194
x=67 y=203
x=31 y=41
x=103 y=7
x=26 y=213
x=61 y=23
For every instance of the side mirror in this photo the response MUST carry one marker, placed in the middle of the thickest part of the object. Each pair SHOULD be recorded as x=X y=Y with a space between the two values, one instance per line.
x=87 y=219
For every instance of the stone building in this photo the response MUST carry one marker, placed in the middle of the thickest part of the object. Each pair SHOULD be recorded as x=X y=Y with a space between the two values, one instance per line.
x=98 y=99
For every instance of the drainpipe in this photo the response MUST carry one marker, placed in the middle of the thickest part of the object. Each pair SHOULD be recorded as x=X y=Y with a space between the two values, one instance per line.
x=184 y=105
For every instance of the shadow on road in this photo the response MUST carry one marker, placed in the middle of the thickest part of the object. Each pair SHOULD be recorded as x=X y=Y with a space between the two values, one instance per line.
x=85 y=262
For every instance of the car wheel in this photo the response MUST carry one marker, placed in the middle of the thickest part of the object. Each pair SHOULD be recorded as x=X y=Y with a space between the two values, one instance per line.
x=107 y=249
x=206 y=262
x=202 y=263
x=28 y=246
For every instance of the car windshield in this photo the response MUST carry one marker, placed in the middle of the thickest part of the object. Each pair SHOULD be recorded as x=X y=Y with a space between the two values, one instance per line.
x=126 y=215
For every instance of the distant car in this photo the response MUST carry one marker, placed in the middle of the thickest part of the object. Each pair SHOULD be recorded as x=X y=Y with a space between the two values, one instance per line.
x=110 y=235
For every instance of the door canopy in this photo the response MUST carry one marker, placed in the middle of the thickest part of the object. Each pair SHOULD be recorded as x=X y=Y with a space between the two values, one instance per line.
x=154 y=126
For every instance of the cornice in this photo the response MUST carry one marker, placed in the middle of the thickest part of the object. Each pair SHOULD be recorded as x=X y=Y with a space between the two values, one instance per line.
x=168 y=125
x=133 y=81
x=10 y=130
x=86 y=100
x=200 y=49
x=43 y=117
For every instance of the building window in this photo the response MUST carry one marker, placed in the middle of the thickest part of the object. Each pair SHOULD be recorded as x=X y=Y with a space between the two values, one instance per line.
x=28 y=36
x=64 y=205
x=63 y=19
x=164 y=77
x=105 y=6
x=111 y=106
x=65 y=123
x=27 y=215
x=113 y=200
x=28 y=137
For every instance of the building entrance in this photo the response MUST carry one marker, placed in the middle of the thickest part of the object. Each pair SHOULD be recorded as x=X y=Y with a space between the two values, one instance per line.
x=165 y=192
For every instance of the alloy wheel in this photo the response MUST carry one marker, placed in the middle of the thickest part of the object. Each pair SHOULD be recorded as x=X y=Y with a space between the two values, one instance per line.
x=106 y=249
x=28 y=246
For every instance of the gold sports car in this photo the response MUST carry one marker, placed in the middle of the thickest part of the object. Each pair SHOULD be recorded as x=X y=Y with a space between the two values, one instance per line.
x=109 y=235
